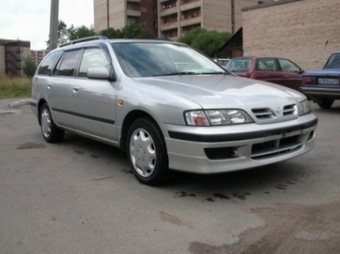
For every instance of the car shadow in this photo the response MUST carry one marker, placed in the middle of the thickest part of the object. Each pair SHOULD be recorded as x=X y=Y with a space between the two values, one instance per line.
x=232 y=186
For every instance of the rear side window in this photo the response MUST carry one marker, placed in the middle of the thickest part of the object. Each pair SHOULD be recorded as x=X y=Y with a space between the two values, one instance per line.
x=93 y=57
x=239 y=65
x=287 y=65
x=47 y=64
x=267 y=64
x=333 y=62
x=68 y=64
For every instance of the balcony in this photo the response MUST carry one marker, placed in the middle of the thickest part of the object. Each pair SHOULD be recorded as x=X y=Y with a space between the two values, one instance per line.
x=168 y=11
x=134 y=1
x=133 y=13
x=192 y=5
x=191 y=21
x=168 y=26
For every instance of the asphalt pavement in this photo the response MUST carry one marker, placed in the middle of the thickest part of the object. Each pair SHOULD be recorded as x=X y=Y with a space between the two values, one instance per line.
x=80 y=196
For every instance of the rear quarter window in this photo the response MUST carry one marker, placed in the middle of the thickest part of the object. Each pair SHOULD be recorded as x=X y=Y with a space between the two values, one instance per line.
x=47 y=64
x=239 y=65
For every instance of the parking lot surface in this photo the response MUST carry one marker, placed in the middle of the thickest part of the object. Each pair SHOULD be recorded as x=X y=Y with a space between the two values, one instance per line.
x=79 y=196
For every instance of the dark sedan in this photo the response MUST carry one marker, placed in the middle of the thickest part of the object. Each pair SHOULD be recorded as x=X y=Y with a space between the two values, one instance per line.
x=323 y=86
x=276 y=70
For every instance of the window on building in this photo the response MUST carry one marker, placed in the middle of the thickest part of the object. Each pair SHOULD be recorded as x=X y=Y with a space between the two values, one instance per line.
x=131 y=20
x=143 y=9
x=143 y=22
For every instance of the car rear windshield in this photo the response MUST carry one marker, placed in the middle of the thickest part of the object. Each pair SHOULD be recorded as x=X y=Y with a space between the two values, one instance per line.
x=239 y=65
x=151 y=59
x=333 y=62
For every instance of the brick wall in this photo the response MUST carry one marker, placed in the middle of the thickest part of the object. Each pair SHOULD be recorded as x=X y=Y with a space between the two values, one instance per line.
x=217 y=14
x=150 y=16
x=305 y=31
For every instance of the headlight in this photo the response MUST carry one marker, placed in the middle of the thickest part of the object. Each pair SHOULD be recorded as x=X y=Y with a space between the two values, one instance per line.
x=304 y=108
x=216 y=117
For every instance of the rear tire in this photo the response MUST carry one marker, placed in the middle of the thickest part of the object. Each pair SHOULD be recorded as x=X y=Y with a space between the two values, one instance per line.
x=325 y=103
x=147 y=154
x=50 y=132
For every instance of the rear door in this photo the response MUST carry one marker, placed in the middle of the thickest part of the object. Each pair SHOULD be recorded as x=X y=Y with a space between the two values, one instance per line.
x=59 y=90
x=291 y=73
x=268 y=69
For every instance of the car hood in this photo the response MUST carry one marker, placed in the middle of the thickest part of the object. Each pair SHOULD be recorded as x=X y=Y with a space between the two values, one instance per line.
x=324 y=72
x=216 y=91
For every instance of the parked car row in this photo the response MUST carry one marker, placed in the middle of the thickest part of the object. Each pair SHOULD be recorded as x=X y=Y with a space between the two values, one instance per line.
x=276 y=70
x=323 y=87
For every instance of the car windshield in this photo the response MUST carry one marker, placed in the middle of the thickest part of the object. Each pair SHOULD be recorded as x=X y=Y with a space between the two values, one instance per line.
x=151 y=59
x=239 y=65
x=333 y=62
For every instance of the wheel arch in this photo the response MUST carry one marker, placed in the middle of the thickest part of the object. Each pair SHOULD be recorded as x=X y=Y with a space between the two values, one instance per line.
x=40 y=103
x=128 y=120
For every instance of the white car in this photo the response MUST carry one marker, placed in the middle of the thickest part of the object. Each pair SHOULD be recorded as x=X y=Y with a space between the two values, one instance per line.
x=168 y=107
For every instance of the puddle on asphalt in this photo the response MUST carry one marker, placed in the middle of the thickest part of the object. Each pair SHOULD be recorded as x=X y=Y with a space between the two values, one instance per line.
x=10 y=112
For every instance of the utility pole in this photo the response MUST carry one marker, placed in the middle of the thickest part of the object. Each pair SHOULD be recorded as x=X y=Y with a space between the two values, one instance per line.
x=108 y=13
x=54 y=24
x=232 y=16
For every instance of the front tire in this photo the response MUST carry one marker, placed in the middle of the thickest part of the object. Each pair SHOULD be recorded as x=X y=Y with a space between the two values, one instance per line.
x=147 y=154
x=325 y=103
x=49 y=130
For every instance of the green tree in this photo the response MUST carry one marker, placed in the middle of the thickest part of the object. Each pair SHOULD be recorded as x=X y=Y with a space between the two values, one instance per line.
x=189 y=37
x=112 y=33
x=79 y=32
x=137 y=31
x=132 y=31
x=62 y=33
x=29 y=67
x=205 y=41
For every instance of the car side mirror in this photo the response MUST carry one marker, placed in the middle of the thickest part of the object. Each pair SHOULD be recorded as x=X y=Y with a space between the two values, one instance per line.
x=100 y=73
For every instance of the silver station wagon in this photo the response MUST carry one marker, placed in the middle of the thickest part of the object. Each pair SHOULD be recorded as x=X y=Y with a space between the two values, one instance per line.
x=168 y=108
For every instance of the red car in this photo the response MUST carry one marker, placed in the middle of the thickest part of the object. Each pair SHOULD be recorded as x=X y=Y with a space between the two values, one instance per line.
x=276 y=70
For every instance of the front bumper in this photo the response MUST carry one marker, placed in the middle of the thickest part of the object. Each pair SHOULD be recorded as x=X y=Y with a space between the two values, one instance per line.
x=210 y=150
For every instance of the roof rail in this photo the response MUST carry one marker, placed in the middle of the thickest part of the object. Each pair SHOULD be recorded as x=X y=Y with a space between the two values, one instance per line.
x=91 y=38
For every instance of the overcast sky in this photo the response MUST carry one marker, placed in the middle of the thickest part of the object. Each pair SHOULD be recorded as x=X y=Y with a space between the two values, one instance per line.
x=29 y=20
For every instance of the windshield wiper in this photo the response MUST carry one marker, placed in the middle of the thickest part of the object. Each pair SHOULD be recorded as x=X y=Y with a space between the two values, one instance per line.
x=190 y=73
x=167 y=74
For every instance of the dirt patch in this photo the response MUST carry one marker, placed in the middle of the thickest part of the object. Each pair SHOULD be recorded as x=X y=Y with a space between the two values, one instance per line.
x=31 y=145
x=290 y=229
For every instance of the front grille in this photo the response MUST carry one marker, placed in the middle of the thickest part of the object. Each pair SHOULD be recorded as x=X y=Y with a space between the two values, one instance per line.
x=267 y=113
x=289 y=110
x=263 y=113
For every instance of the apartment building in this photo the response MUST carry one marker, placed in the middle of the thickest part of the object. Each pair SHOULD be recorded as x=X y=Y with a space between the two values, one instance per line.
x=171 y=18
x=38 y=55
x=177 y=17
x=119 y=13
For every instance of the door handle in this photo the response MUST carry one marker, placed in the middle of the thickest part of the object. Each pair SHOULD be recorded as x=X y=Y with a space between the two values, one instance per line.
x=76 y=88
x=49 y=85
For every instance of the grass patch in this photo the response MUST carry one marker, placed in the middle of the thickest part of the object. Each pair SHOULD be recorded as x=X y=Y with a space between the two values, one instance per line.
x=15 y=87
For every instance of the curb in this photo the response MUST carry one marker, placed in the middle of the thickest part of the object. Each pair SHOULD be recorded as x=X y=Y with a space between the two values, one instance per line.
x=18 y=103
